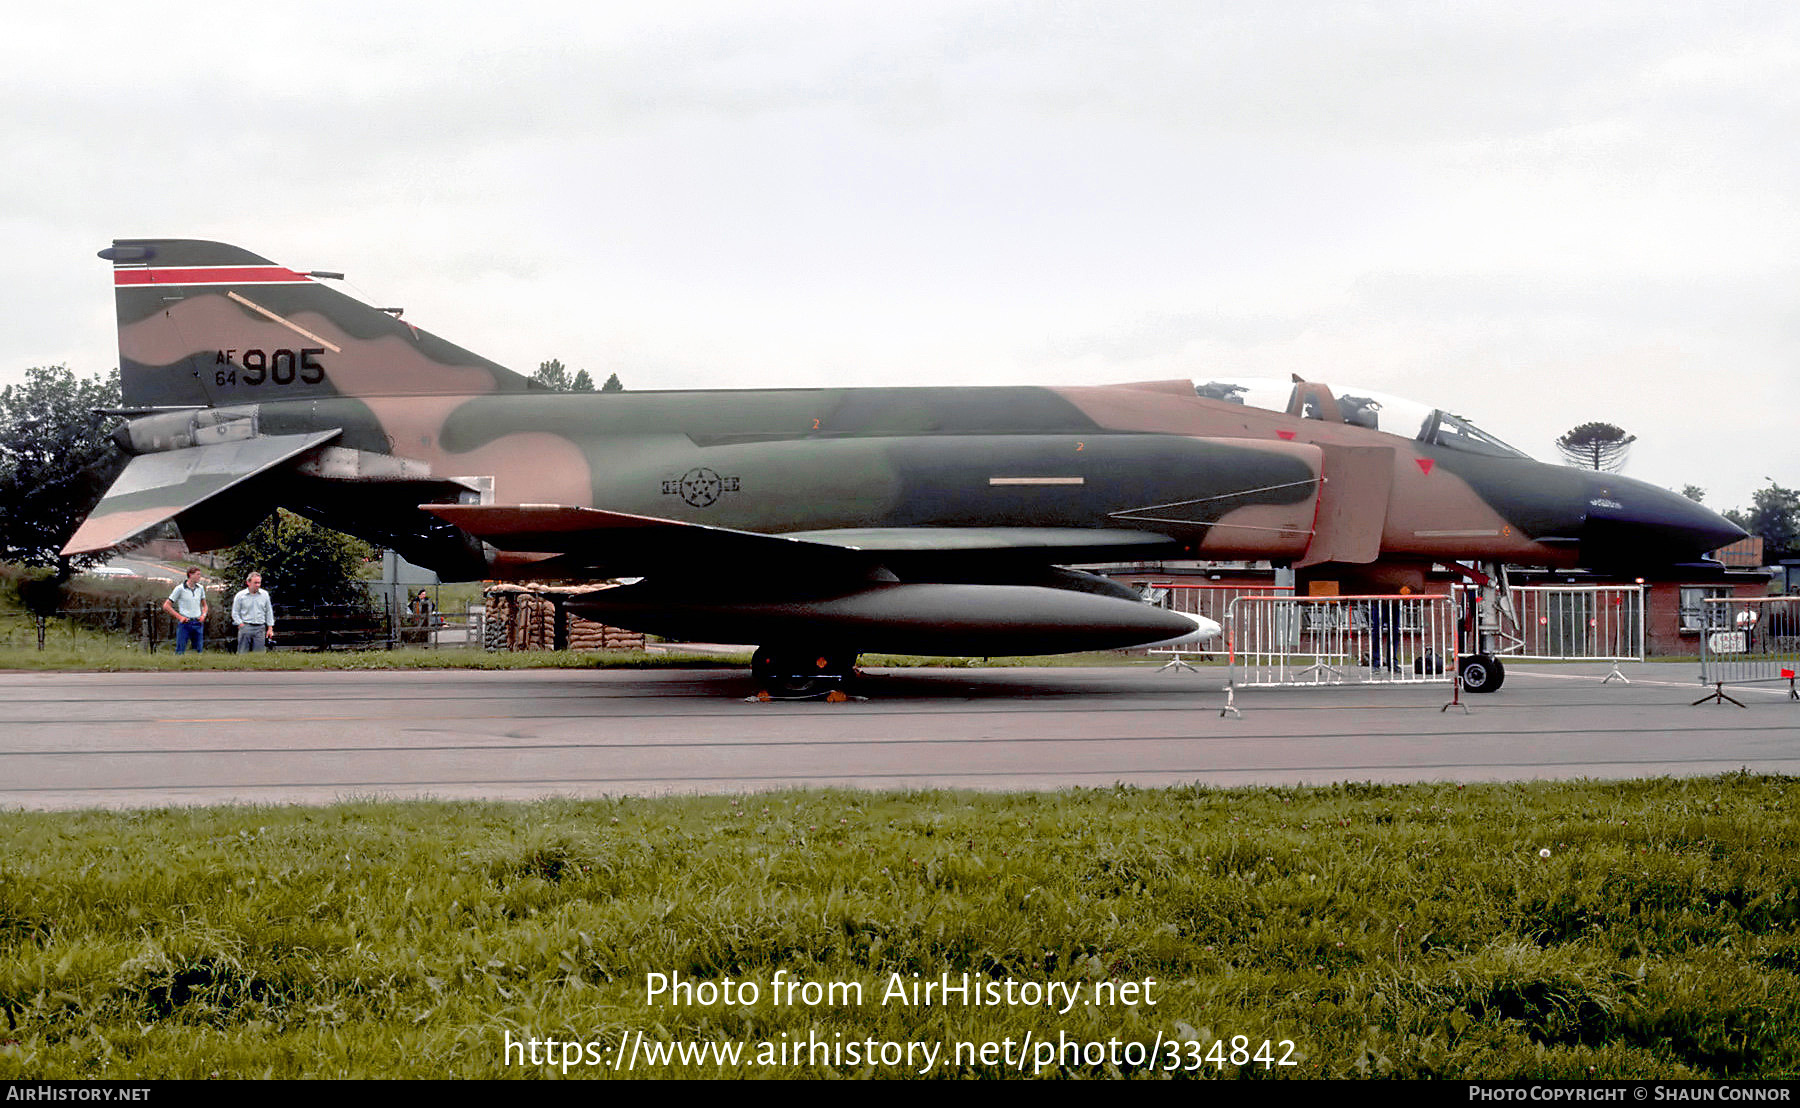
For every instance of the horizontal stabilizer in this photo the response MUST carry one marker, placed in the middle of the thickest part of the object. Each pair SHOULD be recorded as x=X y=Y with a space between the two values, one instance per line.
x=155 y=488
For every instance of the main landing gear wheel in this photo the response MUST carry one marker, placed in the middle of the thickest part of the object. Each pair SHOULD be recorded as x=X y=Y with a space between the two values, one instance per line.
x=1482 y=673
x=787 y=672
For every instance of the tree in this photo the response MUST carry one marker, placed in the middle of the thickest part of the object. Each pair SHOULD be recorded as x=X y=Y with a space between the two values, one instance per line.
x=1775 y=515
x=612 y=384
x=554 y=375
x=303 y=565
x=1596 y=446
x=56 y=461
x=1694 y=493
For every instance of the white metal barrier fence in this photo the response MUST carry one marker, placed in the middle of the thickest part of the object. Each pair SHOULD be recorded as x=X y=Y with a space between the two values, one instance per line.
x=1593 y=623
x=1341 y=640
x=1206 y=601
x=1748 y=640
x=1209 y=601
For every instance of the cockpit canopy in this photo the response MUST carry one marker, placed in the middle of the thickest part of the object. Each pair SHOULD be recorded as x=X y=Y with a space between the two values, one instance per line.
x=1362 y=407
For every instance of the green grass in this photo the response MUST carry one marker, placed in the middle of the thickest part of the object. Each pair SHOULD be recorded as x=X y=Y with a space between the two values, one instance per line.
x=112 y=658
x=70 y=646
x=87 y=651
x=1385 y=930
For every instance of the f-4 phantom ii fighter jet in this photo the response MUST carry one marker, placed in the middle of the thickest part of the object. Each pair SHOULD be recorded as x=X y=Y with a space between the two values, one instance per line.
x=819 y=523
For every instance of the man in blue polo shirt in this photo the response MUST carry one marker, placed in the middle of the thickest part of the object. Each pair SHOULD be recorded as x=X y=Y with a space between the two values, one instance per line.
x=188 y=605
x=254 y=615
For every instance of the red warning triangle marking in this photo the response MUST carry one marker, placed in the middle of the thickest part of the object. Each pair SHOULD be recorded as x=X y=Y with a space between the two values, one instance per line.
x=1288 y=435
x=1425 y=465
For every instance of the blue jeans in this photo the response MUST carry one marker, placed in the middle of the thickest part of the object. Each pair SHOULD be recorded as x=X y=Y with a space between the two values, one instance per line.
x=190 y=630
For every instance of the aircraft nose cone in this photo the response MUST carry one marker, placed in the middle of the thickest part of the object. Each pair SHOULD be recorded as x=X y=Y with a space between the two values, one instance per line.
x=1634 y=524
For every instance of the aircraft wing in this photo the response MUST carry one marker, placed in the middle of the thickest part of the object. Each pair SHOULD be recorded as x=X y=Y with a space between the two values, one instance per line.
x=612 y=537
x=155 y=488
x=634 y=543
x=1062 y=540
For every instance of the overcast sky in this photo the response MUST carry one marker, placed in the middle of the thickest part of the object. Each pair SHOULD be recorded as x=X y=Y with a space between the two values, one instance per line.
x=1534 y=214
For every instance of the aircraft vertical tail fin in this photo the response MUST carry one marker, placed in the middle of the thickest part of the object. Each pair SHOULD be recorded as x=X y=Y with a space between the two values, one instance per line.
x=204 y=323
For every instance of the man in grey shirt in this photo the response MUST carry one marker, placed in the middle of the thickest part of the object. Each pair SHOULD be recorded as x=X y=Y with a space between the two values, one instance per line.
x=254 y=615
x=188 y=605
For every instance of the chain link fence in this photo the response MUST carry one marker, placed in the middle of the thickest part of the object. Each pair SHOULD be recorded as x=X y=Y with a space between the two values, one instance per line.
x=143 y=625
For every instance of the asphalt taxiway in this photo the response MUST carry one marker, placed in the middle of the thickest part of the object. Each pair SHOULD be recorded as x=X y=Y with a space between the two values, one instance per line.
x=312 y=737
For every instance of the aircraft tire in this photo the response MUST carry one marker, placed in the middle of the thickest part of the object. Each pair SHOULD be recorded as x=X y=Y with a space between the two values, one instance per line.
x=762 y=664
x=1482 y=673
x=785 y=671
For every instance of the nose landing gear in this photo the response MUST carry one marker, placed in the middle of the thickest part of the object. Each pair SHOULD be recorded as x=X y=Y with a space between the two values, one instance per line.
x=1486 y=615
